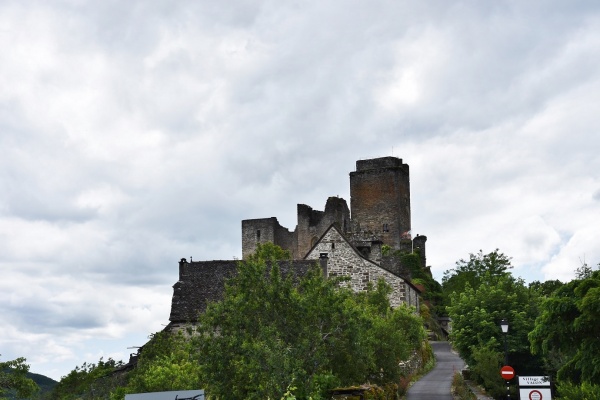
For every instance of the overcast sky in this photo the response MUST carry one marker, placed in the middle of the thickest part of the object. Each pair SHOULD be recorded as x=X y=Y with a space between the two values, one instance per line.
x=135 y=133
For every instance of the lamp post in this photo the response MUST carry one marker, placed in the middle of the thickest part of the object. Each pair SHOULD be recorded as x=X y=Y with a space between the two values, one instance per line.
x=504 y=327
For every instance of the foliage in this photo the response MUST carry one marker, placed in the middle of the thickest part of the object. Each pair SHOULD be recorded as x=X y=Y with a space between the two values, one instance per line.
x=270 y=334
x=584 y=271
x=167 y=362
x=545 y=289
x=14 y=380
x=90 y=381
x=476 y=314
x=419 y=276
x=580 y=391
x=486 y=369
x=566 y=332
x=474 y=271
x=460 y=389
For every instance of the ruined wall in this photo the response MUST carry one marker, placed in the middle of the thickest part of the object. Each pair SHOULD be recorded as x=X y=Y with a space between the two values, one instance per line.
x=312 y=224
x=262 y=230
x=201 y=283
x=380 y=198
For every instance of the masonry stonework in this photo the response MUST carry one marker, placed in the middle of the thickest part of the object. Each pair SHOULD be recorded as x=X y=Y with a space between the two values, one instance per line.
x=344 y=241
x=345 y=260
x=380 y=198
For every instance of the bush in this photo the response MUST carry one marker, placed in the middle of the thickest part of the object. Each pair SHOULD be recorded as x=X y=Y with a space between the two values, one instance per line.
x=486 y=370
x=583 y=391
x=460 y=389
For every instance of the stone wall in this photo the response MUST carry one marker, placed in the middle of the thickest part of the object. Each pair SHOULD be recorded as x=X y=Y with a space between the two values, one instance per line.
x=263 y=230
x=380 y=198
x=201 y=283
x=311 y=225
x=344 y=260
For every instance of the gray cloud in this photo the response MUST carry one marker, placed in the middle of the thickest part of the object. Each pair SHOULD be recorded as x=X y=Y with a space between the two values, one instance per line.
x=137 y=133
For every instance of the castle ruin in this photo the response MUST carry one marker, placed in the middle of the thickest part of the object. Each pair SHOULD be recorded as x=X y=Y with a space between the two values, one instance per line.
x=344 y=241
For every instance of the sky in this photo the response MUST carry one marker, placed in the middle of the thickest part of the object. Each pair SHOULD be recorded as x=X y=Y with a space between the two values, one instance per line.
x=135 y=133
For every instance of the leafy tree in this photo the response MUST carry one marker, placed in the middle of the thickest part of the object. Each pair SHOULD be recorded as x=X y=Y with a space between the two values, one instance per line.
x=584 y=271
x=566 y=332
x=14 y=380
x=545 y=289
x=580 y=391
x=269 y=334
x=169 y=361
x=476 y=312
x=474 y=271
x=487 y=360
x=90 y=381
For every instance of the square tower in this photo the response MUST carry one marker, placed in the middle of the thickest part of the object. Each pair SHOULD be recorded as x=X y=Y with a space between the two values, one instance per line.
x=380 y=198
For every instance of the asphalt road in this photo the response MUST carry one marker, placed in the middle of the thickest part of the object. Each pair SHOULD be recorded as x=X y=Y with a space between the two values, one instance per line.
x=436 y=384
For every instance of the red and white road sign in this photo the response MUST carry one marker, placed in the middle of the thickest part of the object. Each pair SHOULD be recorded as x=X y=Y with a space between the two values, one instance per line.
x=535 y=394
x=507 y=373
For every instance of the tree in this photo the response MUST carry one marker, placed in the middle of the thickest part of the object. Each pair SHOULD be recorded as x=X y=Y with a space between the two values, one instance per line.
x=482 y=292
x=169 y=361
x=566 y=332
x=545 y=289
x=475 y=270
x=14 y=380
x=270 y=334
x=476 y=316
x=88 y=381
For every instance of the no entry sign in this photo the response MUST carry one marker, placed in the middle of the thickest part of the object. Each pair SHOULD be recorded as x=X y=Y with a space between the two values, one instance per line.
x=507 y=373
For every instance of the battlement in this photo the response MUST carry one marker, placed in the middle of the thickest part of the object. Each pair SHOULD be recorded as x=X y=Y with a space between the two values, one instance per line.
x=380 y=163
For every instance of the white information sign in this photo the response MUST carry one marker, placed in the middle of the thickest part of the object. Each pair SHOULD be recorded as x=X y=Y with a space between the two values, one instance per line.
x=178 y=395
x=534 y=381
x=535 y=394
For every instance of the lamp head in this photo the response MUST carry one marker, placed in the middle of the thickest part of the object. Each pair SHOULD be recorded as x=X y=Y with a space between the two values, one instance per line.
x=504 y=325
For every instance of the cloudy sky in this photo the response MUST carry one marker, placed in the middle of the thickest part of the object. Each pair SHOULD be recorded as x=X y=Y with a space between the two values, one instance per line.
x=134 y=133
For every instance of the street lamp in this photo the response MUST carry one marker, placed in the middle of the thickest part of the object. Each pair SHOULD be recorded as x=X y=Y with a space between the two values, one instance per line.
x=504 y=327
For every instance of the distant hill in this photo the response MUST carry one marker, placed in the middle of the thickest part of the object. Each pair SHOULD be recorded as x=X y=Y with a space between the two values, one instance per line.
x=46 y=384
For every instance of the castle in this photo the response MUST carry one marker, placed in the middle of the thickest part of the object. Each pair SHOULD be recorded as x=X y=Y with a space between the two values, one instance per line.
x=344 y=241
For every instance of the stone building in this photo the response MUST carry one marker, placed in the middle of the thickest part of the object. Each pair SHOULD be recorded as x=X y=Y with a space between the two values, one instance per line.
x=345 y=241
x=379 y=214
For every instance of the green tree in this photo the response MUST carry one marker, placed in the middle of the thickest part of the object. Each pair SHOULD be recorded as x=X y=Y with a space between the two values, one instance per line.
x=169 y=361
x=545 y=289
x=14 y=380
x=270 y=334
x=476 y=312
x=89 y=381
x=474 y=271
x=566 y=332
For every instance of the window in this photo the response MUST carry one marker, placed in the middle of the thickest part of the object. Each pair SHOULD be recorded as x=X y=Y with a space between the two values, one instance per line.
x=386 y=228
x=258 y=235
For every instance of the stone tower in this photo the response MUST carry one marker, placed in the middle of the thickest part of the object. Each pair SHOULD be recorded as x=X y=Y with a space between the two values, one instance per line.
x=380 y=199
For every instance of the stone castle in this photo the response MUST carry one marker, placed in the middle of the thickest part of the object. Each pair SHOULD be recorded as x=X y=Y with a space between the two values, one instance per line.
x=344 y=241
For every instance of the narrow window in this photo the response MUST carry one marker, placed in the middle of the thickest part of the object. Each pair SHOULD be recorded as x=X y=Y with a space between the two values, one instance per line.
x=386 y=228
x=332 y=246
x=258 y=235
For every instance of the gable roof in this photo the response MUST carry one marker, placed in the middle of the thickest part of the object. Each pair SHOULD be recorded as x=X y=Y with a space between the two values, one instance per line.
x=359 y=254
x=344 y=238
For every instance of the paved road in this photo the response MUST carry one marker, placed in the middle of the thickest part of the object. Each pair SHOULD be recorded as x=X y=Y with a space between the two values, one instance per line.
x=436 y=384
